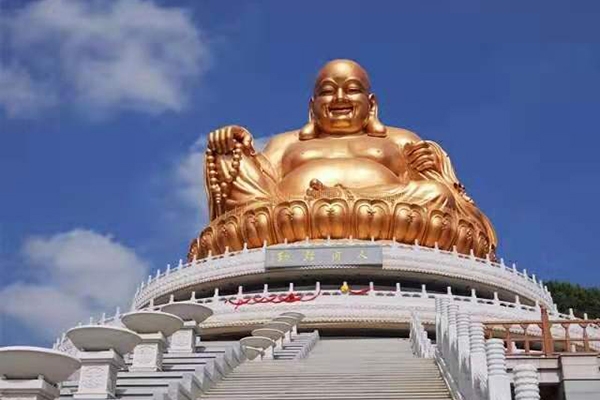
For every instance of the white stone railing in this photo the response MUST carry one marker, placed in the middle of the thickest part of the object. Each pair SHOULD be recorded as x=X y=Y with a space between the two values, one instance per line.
x=332 y=305
x=396 y=257
x=419 y=340
x=477 y=367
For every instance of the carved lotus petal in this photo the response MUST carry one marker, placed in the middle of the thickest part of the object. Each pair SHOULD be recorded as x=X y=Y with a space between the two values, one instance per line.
x=465 y=237
x=371 y=219
x=409 y=223
x=330 y=219
x=440 y=229
x=256 y=227
x=292 y=221
x=228 y=235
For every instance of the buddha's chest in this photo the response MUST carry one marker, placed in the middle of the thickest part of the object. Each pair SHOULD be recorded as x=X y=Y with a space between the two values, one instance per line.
x=380 y=150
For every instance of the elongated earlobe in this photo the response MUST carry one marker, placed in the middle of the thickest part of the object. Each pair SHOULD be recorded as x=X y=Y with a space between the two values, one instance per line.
x=309 y=131
x=374 y=127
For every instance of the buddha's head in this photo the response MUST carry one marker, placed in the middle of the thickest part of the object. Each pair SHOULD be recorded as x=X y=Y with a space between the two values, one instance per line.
x=342 y=102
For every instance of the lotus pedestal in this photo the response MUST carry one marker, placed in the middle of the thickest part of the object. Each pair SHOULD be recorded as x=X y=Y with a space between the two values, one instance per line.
x=101 y=350
x=184 y=340
x=153 y=327
x=32 y=373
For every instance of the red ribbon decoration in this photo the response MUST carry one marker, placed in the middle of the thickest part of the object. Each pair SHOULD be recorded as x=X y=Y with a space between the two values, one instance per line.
x=275 y=299
x=360 y=292
x=286 y=298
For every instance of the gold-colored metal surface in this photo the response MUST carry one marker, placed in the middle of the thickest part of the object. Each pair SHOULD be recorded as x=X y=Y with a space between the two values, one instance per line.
x=344 y=174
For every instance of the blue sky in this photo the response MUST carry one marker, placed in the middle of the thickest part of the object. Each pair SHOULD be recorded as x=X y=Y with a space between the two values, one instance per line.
x=102 y=103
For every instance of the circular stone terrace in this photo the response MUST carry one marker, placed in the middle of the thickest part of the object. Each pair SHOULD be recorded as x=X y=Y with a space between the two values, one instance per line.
x=386 y=281
x=354 y=261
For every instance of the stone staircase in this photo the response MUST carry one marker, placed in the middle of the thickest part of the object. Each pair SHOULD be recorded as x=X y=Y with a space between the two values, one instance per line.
x=367 y=369
x=179 y=378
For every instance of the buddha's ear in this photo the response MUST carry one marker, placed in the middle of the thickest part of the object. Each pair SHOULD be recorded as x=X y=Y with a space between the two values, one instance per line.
x=309 y=131
x=374 y=126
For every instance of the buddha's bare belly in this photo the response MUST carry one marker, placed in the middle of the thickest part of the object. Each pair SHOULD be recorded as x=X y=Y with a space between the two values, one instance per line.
x=351 y=173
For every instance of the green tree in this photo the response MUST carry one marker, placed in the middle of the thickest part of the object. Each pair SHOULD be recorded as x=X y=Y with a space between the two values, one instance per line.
x=569 y=295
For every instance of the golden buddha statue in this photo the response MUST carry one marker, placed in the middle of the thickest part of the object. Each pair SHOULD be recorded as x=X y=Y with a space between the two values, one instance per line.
x=343 y=175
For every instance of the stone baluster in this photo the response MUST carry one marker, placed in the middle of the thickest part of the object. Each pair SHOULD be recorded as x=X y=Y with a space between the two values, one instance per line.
x=498 y=381
x=444 y=330
x=526 y=382
x=452 y=340
x=438 y=321
x=477 y=360
x=462 y=333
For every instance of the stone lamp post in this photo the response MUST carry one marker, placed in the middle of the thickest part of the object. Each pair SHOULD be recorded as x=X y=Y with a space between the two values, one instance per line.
x=33 y=373
x=184 y=340
x=154 y=327
x=101 y=349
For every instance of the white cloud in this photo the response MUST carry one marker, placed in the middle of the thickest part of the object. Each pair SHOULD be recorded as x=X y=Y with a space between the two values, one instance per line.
x=19 y=95
x=77 y=274
x=103 y=55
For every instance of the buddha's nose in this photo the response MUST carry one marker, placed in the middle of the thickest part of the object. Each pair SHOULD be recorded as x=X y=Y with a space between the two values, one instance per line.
x=340 y=94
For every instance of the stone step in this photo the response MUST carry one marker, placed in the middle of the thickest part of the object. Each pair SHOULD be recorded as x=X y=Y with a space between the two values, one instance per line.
x=366 y=369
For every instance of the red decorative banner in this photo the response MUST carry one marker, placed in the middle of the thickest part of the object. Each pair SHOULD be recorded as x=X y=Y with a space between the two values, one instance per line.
x=275 y=299
x=285 y=298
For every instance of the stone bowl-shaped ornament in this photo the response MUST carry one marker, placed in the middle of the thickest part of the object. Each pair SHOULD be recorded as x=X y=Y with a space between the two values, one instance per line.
x=25 y=362
x=278 y=325
x=152 y=322
x=102 y=337
x=297 y=315
x=252 y=352
x=258 y=342
x=272 y=334
x=188 y=311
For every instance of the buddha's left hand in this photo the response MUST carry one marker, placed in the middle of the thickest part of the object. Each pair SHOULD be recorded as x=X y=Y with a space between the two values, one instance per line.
x=421 y=157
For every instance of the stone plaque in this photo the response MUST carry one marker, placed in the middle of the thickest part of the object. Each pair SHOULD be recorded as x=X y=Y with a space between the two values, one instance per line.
x=282 y=257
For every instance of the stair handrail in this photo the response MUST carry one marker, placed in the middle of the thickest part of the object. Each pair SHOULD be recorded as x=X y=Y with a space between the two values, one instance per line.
x=420 y=343
x=477 y=366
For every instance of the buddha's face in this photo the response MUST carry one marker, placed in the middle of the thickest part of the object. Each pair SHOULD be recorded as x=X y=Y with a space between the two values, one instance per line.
x=341 y=101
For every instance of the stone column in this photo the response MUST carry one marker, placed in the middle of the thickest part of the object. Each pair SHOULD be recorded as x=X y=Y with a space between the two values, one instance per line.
x=148 y=355
x=498 y=381
x=184 y=340
x=98 y=375
x=526 y=382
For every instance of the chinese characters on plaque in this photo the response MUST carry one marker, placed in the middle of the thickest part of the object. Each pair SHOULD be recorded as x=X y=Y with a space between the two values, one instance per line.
x=314 y=256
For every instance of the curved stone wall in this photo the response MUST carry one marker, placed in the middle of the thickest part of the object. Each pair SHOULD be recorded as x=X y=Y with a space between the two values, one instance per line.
x=398 y=260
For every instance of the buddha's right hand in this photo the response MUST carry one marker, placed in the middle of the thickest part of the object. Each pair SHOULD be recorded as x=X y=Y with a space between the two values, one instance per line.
x=224 y=140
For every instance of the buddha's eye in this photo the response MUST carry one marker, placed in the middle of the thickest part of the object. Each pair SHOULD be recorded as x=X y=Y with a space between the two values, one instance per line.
x=326 y=91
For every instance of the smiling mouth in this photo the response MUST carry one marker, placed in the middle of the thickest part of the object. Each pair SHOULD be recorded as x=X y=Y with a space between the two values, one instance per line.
x=340 y=109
